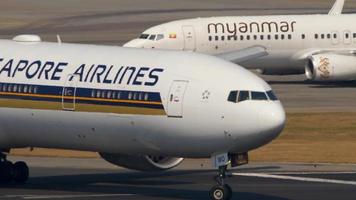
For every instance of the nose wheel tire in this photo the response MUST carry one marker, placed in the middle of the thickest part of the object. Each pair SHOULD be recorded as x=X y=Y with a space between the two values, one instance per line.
x=219 y=192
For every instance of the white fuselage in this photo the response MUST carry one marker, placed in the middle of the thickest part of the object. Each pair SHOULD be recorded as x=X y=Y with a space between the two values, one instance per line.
x=289 y=39
x=129 y=101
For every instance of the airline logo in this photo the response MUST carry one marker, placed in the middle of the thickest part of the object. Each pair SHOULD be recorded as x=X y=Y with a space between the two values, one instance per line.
x=324 y=67
x=90 y=73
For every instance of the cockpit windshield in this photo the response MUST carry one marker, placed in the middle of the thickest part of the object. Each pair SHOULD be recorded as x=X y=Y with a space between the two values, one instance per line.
x=144 y=36
x=151 y=36
x=240 y=96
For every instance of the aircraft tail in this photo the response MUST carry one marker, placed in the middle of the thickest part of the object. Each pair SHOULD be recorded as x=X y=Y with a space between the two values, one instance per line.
x=337 y=7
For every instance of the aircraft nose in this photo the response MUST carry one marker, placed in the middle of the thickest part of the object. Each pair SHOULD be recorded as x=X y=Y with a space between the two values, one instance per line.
x=272 y=120
x=136 y=43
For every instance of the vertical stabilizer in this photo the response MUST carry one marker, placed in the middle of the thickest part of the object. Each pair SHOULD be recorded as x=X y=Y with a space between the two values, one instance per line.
x=337 y=7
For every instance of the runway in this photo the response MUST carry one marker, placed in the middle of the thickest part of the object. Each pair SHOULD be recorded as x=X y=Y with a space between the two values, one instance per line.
x=65 y=178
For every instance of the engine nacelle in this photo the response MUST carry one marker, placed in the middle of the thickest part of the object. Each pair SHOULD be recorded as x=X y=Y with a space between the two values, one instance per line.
x=142 y=163
x=331 y=67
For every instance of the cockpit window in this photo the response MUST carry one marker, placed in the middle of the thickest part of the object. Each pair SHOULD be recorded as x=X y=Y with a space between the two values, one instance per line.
x=272 y=96
x=233 y=96
x=144 y=36
x=258 y=96
x=243 y=96
x=152 y=37
x=160 y=37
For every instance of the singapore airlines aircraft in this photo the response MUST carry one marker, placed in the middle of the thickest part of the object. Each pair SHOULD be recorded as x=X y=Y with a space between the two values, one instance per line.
x=321 y=46
x=140 y=109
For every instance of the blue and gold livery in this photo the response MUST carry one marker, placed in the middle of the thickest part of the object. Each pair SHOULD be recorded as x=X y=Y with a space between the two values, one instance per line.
x=80 y=99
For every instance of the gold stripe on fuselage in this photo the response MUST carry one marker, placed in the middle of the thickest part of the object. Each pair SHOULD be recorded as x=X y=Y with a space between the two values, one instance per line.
x=80 y=107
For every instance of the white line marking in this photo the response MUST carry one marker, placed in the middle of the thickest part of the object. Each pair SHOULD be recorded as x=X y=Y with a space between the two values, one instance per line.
x=305 y=179
x=68 y=196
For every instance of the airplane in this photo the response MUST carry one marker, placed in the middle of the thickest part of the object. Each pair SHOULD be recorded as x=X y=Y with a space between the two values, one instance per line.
x=140 y=109
x=322 y=46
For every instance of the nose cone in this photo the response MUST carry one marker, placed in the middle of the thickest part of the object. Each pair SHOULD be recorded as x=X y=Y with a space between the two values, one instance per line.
x=272 y=120
x=136 y=43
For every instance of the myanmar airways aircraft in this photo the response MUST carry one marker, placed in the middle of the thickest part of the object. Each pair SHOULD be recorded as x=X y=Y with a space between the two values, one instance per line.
x=321 y=46
x=140 y=109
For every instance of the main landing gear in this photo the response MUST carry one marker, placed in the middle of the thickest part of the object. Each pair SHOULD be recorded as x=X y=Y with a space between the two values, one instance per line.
x=222 y=191
x=12 y=172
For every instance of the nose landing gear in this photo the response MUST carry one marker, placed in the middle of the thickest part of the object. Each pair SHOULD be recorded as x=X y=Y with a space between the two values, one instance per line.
x=222 y=191
x=9 y=172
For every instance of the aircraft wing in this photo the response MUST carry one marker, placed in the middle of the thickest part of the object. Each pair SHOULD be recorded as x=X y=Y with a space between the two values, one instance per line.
x=337 y=7
x=243 y=55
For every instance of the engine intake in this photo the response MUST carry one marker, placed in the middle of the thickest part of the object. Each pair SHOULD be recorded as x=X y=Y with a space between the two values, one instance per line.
x=331 y=67
x=142 y=163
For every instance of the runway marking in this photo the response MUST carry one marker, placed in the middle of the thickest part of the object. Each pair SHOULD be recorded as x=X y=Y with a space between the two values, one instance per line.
x=66 y=196
x=305 y=179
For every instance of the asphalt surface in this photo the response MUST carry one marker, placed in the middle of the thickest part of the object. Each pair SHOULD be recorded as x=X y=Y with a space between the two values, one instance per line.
x=63 y=178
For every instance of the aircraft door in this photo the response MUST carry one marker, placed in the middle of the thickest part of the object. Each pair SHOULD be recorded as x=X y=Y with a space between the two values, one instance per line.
x=175 y=99
x=189 y=38
x=69 y=92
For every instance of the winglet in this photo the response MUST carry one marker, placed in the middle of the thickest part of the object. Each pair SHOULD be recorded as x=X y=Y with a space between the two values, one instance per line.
x=337 y=7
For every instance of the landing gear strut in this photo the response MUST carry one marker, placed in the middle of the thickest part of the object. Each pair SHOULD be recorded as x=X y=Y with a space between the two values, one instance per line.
x=9 y=172
x=221 y=191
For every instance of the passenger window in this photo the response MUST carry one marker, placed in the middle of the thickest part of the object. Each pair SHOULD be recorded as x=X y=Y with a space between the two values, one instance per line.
x=119 y=95
x=248 y=37
x=210 y=38
x=316 y=36
x=103 y=94
x=241 y=37
x=258 y=96
x=9 y=88
x=232 y=96
x=269 y=37
x=98 y=94
x=243 y=96
x=216 y=38
x=354 y=35
x=222 y=38
x=144 y=36
x=255 y=37
x=146 y=96
x=30 y=89
x=20 y=88
x=262 y=37
x=303 y=36
x=347 y=36
x=109 y=95
x=130 y=96
x=25 y=89
x=135 y=96
x=152 y=37
x=15 y=88
x=113 y=95
x=93 y=93
x=335 y=35
x=322 y=36
x=328 y=36
x=0 y=87
x=289 y=36
x=140 y=96
x=235 y=37
x=35 y=90
x=272 y=96
x=276 y=37
x=282 y=37
x=160 y=37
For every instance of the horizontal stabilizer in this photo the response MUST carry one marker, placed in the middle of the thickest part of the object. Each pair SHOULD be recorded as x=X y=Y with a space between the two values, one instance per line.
x=337 y=7
x=243 y=55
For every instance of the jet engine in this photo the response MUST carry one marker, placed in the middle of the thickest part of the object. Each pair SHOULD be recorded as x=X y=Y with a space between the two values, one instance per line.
x=142 y=163
x=331 y=67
